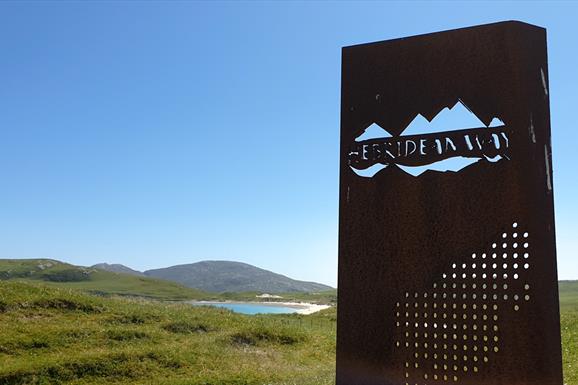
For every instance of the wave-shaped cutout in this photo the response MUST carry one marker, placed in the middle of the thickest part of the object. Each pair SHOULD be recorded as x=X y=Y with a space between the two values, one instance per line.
x=370 y=171
x=447 y=165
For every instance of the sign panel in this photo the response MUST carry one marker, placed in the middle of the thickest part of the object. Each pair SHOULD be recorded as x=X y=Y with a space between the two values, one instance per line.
x=447 y=267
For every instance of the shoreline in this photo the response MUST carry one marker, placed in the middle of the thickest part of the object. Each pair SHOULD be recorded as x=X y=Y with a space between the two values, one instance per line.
x=304 y=308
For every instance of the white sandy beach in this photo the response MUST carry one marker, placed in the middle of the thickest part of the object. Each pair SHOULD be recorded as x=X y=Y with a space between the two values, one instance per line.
x=303 y=307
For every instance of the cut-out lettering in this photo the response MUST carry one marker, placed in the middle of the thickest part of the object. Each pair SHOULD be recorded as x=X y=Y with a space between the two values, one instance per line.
x=427 y=143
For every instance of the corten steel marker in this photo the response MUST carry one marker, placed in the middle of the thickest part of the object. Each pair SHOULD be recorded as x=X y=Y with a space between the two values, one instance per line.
x=448 y=276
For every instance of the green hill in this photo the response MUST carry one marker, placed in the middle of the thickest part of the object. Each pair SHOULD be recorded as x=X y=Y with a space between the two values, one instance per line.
x=59 y=274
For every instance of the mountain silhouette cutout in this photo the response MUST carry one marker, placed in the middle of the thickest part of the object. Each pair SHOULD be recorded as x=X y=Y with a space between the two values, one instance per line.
x=458 y=117
x=372 y=132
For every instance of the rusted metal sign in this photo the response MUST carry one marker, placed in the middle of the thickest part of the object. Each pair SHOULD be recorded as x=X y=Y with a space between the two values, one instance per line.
x=447 y=267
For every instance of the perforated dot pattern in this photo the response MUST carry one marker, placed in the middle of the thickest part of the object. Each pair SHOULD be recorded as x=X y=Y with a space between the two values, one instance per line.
x=452 y=331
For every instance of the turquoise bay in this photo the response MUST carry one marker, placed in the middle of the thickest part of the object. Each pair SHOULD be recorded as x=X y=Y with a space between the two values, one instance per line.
x=251 y=308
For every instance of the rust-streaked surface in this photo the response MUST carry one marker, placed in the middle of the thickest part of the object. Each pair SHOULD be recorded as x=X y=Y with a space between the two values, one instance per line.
x=422 y=298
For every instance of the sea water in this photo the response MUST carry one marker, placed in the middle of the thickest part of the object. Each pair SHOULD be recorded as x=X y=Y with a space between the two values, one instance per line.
x=251 y=308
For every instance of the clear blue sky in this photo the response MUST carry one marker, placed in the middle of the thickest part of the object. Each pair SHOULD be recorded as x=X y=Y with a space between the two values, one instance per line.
x=158 y=133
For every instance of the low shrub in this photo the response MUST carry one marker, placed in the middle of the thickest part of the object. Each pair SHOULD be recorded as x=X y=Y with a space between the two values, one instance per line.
x=18 y=346
x=68 y=275
x=35 y=344
x=133 y=318
x=125 y=335
x=184 y=327
x=66 y=304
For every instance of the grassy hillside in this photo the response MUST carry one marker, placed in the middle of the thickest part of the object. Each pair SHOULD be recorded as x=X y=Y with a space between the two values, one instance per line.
x=64 y=275
x=52 y=336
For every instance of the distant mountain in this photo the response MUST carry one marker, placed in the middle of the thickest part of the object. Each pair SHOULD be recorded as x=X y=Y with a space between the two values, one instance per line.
x=117 y=268
x=226 y=276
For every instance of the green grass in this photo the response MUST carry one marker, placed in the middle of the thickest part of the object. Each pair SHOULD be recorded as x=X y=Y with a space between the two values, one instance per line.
x=569 y=325
x=55 y=335
x=63 y=275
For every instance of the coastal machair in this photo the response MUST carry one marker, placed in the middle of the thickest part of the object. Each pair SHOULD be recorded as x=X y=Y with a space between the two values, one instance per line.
x=447 y=266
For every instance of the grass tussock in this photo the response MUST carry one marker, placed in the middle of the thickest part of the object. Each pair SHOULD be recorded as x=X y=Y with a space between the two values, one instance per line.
x=126 y=335
x=66 y=304
x=133 y=319
x=23 y=345
x=272 y=334
x=115 y=367
x=184 y=327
